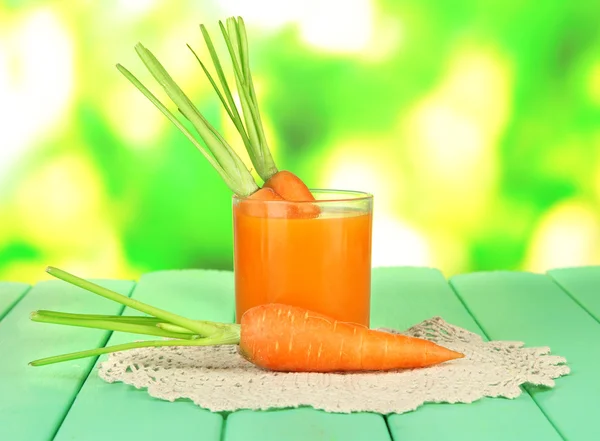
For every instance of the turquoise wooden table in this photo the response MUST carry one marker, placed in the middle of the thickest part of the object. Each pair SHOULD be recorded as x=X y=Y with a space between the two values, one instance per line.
x=68 y=401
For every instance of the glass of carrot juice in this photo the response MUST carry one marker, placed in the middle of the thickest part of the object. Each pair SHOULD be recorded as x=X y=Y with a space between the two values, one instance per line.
x=315 y=255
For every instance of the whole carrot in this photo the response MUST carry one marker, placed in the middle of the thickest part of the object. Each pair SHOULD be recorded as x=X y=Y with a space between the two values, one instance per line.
x=272 y=336
x=287 y=338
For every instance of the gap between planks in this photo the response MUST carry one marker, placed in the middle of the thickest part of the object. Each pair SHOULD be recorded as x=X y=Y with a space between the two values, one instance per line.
x=15 y=303
x=572 y=297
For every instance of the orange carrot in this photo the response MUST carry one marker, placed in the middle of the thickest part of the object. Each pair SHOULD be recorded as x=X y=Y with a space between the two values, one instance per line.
x=254 y=205
x=295 y=191
x=289 y=186
x=272 y=336
x=288 y=338
x=265 y=194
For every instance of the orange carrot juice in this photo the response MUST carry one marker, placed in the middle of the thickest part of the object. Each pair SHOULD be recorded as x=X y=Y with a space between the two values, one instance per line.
x=321 y=263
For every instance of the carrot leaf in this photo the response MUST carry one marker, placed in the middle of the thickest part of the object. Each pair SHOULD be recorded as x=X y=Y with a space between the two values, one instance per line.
x=139 y=320
x=265 y=152
x=182 y=331
x=236 y=42
x=173 y=328
x=108 y=324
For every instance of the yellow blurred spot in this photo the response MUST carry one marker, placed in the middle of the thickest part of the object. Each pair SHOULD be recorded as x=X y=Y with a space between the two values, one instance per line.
x=264 y=13
x=363 y=165
x=567 y=235
x=593 y=83
x=60 y=203
x=453 y=133
x=366 y=166
x=385 y=40
x=102 y=258
x=451 y=140
x=478 y=85
x=332 y=25
x=448 y=251
x=36 y=79
x=135 y=7
x=31 y=271
x=350 y=31
x=61 y=209
x=396 y=244
x=133 y=116
x=597 y=179
x=350 y=174
x=180 y=62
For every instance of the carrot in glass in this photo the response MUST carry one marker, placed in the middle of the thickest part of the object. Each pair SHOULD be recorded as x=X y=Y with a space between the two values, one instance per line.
x=274 y=336
x=289 y=186
x=265 y=194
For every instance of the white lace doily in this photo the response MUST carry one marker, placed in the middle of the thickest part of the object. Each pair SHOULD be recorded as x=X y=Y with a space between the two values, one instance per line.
x=219 y=379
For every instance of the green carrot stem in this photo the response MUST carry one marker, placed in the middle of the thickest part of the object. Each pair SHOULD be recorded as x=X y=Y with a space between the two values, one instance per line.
x=204 y=328
x=230 y=105
x=110 y=325
x=136 y=320
x=231 y=337
x=254 y=150
x=259 y=152
x=268 y=166
x=173 y=328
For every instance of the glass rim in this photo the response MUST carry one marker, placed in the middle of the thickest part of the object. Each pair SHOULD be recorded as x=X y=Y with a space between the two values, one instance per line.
x=351 y=196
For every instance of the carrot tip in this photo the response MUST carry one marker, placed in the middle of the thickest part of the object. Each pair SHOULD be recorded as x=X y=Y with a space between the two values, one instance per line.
x=453 y=355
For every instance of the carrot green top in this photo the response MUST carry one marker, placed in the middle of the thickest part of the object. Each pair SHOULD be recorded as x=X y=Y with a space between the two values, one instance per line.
x=216 y=149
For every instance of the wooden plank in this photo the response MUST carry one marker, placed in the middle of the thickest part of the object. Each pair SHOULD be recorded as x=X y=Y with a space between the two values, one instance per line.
x=10 y=294
x=532 y=308
x=36 y=399
x=132 y=414
x=304 y=424
x=403 y=297
x=583 y=284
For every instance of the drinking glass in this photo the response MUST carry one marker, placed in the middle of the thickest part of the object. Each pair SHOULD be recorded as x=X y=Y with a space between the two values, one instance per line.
x=315 y=255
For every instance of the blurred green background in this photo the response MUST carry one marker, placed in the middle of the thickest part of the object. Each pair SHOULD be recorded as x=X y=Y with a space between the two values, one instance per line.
x=475 y=124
